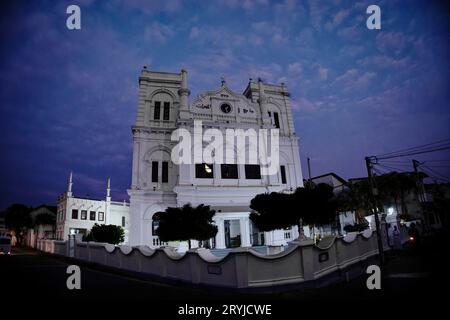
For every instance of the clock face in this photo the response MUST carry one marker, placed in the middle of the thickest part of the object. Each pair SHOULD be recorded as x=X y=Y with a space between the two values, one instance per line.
x=226 y=108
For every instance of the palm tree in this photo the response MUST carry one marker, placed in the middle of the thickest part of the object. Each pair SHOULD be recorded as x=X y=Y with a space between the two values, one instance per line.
x=395 y=185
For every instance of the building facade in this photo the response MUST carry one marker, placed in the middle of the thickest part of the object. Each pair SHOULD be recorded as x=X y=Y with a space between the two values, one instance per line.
x=158 y=182
x=42 y=228
x=76 y=215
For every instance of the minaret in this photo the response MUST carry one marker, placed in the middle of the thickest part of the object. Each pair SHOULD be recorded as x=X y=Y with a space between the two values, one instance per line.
x=108 y=190
x=69 y=188
x=184 y=93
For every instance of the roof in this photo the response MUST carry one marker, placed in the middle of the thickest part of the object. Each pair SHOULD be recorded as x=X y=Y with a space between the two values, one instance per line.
x=50 y=208
x=231 y=208
x=333 y=175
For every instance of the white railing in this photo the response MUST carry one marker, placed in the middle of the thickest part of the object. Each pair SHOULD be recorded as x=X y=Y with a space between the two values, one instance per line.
x=157 y=242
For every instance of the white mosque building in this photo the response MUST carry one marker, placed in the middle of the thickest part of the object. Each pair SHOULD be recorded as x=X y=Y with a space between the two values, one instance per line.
x=77 y=215
x=158 y=182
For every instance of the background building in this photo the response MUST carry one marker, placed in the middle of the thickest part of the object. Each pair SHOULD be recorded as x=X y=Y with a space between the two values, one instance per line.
x=76 y=215
x=43 y=225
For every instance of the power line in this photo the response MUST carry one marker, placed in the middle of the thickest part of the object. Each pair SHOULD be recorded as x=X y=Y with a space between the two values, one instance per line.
x=390 y=168
x=432 y=176
x=396 y=164
x=436 y=173
x=442 y=160
x=439 y=166
x=429 y=150
x=427 y=145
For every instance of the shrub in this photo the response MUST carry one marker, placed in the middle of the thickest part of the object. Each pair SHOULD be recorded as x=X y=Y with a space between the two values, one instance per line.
x=106 y=233
x=357 y=227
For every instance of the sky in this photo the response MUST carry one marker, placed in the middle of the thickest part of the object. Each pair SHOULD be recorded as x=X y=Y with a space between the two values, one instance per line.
x=68 y=98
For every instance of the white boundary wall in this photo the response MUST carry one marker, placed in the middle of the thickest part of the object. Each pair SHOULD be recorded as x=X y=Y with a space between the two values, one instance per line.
x=241 y=268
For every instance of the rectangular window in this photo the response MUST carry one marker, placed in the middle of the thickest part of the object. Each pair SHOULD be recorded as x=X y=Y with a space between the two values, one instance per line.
x=101 y=216
x=166 y=111
x=165 y=171
x=276 y=119
x=83 y=214
x=204 y=171
x=123 y=221
x=283 y=174
x=92 y=215
x=154 y=171
x=229 y=171
x=74 y=214
x=157 y=113
x=252 y=171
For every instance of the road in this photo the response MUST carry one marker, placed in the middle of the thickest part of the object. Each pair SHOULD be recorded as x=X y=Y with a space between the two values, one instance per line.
x=35 y=278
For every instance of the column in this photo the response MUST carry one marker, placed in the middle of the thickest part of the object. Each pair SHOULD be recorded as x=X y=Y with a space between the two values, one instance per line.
x=220 y=236
x=245 y=232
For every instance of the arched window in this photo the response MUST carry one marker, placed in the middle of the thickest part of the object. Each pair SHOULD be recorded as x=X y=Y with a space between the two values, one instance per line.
x=161 y=106
x=155 y=222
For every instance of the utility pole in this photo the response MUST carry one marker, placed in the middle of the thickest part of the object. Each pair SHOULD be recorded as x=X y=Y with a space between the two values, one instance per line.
x=420 y=191
x=309 y=169
x=373 y=193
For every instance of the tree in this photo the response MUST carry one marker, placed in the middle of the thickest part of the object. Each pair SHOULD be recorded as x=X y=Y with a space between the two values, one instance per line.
x=45 y=219
x=106 y=233
x=266 y=213
x=186 y=223
x=313 y=205
x=17 y=217
x=319 y=204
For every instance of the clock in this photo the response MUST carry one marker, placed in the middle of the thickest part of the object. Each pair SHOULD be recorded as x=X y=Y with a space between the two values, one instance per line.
x=226 y=108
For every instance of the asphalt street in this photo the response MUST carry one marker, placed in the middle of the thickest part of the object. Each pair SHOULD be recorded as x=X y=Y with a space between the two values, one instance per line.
x=32 y=278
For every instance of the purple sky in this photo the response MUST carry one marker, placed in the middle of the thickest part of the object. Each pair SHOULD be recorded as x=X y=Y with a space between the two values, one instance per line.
x=68 y=98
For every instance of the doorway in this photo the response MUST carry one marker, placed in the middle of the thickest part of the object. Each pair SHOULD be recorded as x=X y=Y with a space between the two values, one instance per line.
x=232 y=233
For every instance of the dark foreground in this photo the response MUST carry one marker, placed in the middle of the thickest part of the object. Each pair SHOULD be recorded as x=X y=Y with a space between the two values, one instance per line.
x=409 y=279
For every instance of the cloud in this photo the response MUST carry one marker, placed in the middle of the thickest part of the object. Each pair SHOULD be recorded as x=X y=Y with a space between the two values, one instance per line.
x=295 y=68
x=147 y=7
x=384 y=61
x=217 y=37
x=158 y=32
x=322 y=72
x=304 y=104
x=389 y=41
x=195 y=33
x=247 y=5
x=351 y=32
x=338 y=18
x=351 y=50
x=274 y=32
x=353 y=80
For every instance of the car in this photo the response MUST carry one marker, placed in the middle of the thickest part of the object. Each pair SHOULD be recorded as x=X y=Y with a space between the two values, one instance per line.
x=5 y=245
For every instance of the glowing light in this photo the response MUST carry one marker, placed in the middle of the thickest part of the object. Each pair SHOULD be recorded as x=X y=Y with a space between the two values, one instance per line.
x=390 y=210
